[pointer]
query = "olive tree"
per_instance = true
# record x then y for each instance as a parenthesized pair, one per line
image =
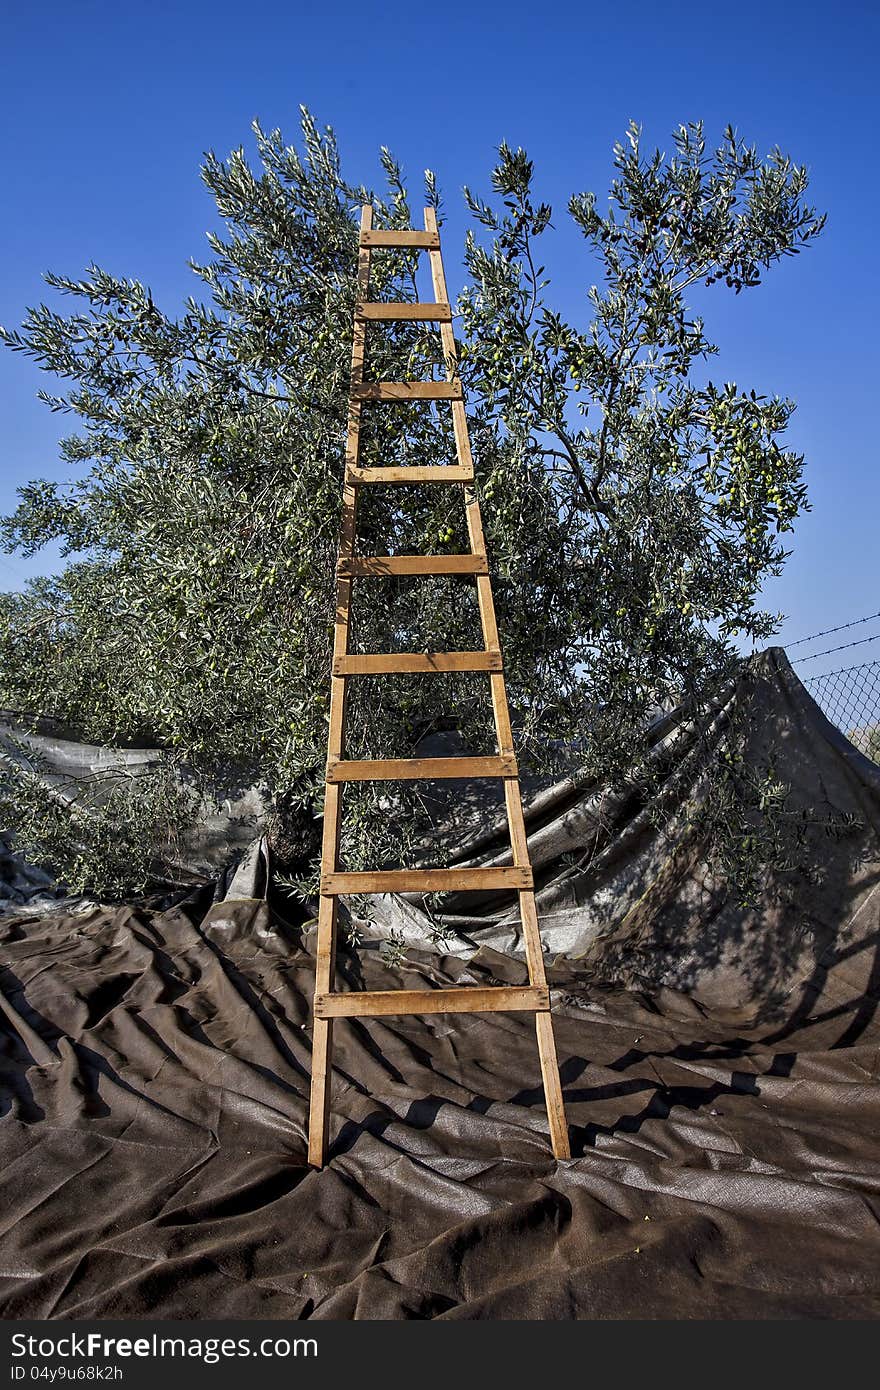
(633, 507)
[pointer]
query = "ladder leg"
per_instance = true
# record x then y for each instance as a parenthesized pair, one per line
(537, 975)
(552, 1084)
(543, 1018)
(319, 1106)
(322, 1037)
(322, 1034)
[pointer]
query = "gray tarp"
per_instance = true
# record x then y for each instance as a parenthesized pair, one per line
(224, 829)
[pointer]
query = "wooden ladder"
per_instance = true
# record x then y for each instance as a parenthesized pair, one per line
(535, 997)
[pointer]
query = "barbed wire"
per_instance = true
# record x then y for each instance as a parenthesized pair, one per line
(814, 637)
(845, 646)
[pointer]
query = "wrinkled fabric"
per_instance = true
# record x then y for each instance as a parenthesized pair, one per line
(719, 1065)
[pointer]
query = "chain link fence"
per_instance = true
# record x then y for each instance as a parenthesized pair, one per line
(850, 698)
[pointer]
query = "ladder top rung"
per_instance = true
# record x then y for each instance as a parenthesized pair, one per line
(402, 663)
(437, 313)
(461, 1000)
(440, 473)
(507, 878)
(367, 566)
(407, 391)
(423, 241)
(418, 769)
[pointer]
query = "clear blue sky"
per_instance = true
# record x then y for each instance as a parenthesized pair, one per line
(108, 108)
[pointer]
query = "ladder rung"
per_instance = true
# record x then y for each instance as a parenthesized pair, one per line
(440, 473)
(363, 566)
(463, 1000)
(427, 881)
(376, 310)
(407, 391)
(412, 663)
(425, 241)
(415, 769)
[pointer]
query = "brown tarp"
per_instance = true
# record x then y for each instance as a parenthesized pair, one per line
(720, 1069)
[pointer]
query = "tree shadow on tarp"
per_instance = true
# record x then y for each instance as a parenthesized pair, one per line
(693, 928)
(857, 1015)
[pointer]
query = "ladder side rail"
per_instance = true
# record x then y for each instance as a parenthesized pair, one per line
(512, 794)
(500, 709)
(328, 905)
(473, 518)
